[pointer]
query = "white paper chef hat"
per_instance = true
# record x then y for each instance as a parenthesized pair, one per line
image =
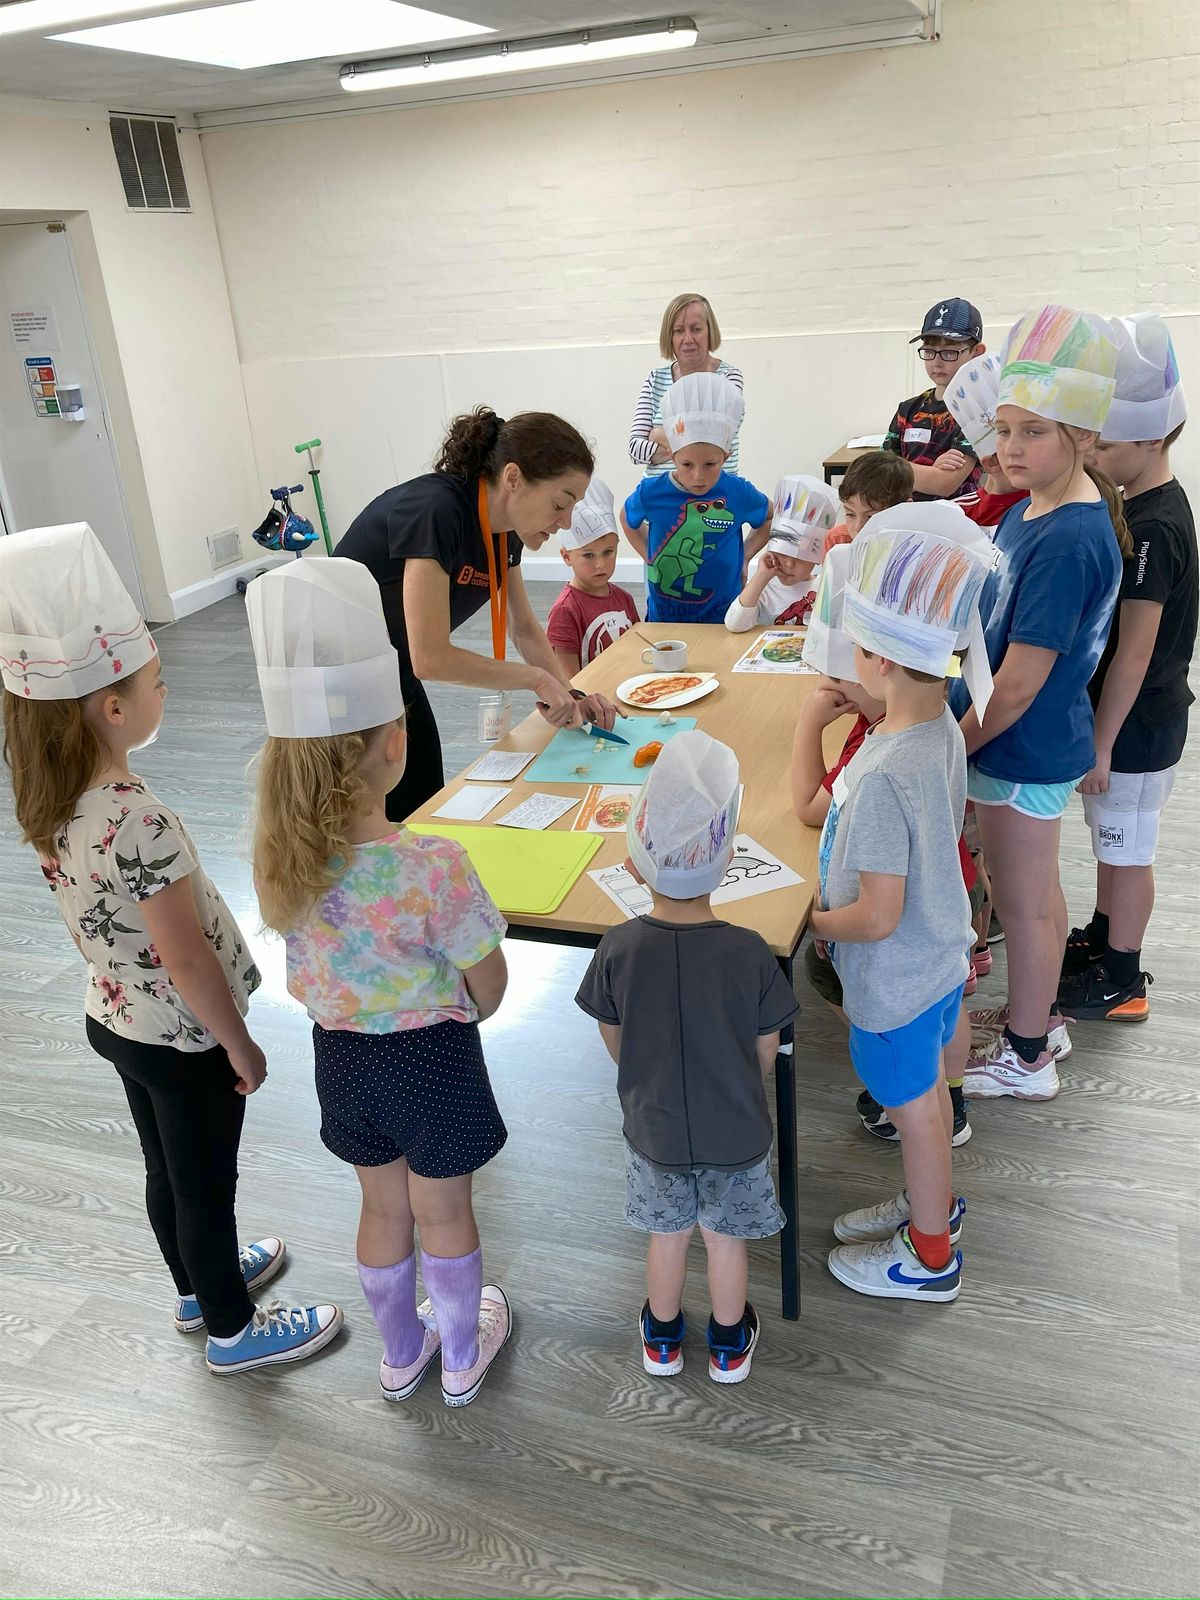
(325, 662)
(680, 831)
(1060, 364)
(971, 401)
(1149, 400)
(913, 597)
(703, 408)
(67, 623)
(593, 517)
(827, 647)
(805, 510)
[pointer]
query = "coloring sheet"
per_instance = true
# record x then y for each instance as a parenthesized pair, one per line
(753, 870)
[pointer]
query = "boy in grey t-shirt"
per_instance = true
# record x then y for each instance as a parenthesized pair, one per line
(895, 916)
(690, 1008)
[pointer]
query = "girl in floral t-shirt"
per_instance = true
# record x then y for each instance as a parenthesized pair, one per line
(393, 946)
(169, 976)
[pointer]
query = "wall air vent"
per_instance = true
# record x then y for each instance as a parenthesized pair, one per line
(147, 152)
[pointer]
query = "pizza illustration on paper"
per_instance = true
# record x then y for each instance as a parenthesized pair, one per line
(613, 814)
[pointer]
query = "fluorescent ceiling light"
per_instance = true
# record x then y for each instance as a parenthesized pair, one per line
(39, 16)
(522, 55)
(264, 33)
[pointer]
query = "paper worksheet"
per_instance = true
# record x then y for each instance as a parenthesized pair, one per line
(538, 811)
(472, 803)
(605, 808)
(777, 650)
(753, 870)
(500, 766)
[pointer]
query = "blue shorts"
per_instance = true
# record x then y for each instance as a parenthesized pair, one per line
(1045, 801)
(902, 1064)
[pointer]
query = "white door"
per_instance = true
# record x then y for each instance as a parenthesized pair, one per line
(53, 470)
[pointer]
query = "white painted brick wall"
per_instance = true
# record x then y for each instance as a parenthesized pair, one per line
(1042, 148)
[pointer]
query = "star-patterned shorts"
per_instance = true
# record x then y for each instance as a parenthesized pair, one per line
(741, 1204)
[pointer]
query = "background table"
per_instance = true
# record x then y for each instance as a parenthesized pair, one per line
(836, 462)
(755, 714)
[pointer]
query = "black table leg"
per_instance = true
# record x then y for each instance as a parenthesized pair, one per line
(785, 1116)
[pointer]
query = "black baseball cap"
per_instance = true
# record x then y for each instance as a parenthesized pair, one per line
(952, 319)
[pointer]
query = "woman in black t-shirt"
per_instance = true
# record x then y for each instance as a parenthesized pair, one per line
(426, 543)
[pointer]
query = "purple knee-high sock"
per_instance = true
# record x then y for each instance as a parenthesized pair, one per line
(391, 1295)
(455, 1284)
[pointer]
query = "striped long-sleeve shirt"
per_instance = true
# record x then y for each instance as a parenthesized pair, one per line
(649, 415)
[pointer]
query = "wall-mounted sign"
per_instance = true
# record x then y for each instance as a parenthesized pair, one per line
(42, 380)
(34, 328)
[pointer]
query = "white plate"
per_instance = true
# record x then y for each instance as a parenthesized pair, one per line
(673, 701)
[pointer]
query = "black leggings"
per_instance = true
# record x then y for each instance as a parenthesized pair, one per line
(423, 775)
(189, 1121)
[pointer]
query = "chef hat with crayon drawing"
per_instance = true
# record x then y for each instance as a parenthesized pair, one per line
(913, 597)
(593, 517)
(971, 401)
(680, 831)
(804, 511)
(827, 646)
(1149, 402)
(1060, 364)
(68, 625)
(325, 662)
(703, 408)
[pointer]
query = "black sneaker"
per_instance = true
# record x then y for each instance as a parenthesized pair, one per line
(1092, 996)
(875, 1119)
(1078, 956)
(730, 1363)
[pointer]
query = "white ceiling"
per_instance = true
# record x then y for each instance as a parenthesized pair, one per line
(731, 31)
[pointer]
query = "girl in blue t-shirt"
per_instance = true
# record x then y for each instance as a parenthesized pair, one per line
(1049, 606)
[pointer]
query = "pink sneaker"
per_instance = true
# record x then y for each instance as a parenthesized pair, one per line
(972, 982)
(495, 1325)
(398, 1383)
(1001, 1071)
(981, 960)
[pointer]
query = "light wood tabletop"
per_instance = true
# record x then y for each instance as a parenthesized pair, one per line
(755, 714)
(836, 462)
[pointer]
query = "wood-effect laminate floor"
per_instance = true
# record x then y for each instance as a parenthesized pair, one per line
(1039, 1437)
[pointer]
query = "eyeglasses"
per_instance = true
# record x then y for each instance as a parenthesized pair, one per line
(928, 352)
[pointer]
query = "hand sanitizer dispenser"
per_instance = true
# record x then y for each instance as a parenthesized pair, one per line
(70, 402)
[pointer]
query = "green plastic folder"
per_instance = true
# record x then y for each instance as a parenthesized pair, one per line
(524, 872)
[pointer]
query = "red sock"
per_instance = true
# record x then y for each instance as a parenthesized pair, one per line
(933, 1249)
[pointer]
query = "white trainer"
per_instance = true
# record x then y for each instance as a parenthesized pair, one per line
(881, 1221)
(1001, 1071)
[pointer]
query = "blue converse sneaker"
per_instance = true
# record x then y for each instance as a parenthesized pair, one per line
(891, 1269)
(881, 1221)
(275, 1333)
(259, 1262)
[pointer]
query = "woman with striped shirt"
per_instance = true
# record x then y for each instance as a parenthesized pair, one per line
(688, 336)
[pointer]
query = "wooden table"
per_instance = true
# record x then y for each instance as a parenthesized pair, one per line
(836, 462)
(755, 714)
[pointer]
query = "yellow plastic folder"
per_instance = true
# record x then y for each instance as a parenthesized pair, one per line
(524, 872)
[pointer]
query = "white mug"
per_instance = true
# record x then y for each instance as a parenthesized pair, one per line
(669, 655)
(495, 717)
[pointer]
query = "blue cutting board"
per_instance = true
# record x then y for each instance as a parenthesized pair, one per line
(571, 748)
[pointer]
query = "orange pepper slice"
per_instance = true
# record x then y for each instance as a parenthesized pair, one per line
(648, 754)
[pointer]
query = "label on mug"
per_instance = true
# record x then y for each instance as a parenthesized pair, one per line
(495, 717)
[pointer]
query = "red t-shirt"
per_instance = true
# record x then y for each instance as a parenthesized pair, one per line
(586, 624)
(986, 509)
(850, 749)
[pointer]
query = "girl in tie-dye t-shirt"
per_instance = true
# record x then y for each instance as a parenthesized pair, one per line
(393, 947)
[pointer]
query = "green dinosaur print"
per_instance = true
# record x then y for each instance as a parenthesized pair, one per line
(675, 566)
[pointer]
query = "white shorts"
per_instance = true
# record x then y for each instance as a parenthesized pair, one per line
(1124, 821)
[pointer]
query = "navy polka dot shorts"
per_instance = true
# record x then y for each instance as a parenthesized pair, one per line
(422, 1094)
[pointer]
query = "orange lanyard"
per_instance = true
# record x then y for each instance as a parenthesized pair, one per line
(497, 593)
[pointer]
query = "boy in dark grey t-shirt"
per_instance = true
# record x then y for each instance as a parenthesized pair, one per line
(690, 1008)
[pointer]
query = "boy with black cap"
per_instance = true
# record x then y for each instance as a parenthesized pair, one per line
(923, 432)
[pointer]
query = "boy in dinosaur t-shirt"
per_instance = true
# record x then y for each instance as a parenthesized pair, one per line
(693, 516)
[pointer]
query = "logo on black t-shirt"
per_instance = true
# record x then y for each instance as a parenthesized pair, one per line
(470, 574)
